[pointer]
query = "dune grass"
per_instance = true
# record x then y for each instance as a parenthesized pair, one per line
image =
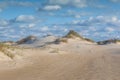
(55, 50)
(64, 40)
(6, 49)
(73, 34)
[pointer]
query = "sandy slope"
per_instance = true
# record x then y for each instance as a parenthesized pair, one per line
(71, 61)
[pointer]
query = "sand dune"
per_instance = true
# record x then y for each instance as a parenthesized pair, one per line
(74, 60)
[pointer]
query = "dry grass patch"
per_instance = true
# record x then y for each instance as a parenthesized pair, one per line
(89, 40)
(55, 50)
(7, 50)
(73, 34)
(64, 40)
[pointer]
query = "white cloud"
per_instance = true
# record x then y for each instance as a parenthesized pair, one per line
(109, 29)
(99, 21)
(52, 7)
(13, 36)
(31, 25)
(25, 18)
(75, 3)
(4, 22)
(0, 9)
(51, 14)
(45, 28)
(69, 13)
(77, 16)
(85, 32)
(22, 26)
(25, 4)
(75, 22)
(92, 28)
(114, 18)
(8, 3)
(4, 4)
(65, 30)
(78, 3)
(115, 0)
(11, 30)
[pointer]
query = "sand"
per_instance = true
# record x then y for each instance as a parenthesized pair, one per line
(75, 60)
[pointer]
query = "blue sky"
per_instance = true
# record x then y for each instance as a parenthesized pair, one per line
(94, 19)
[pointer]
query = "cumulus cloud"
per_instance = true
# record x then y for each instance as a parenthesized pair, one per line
(15, 3)
(25, 18)
(114, 19)
(22, 25)
(0, 9)
(74, 14)
(69, 13)
(25, 4)
(31, 25)
(97, 21)
(3, 23)
(26, 26)
(5, 4)
(52, 7)
(75, 3)
(44, 29)
(115, 0)
(109, 29)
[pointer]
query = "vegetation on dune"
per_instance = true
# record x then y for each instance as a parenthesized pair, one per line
(108, 41)
(6, 49)
(28, 40)
(73, 34)
(117, 40)
(57, 41)
(55, 50)
(89, 40)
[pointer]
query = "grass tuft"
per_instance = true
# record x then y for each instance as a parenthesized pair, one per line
(56, 50)
(6, 49)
